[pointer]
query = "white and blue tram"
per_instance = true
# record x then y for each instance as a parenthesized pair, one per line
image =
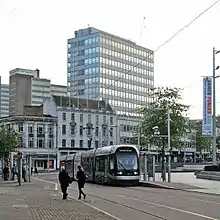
(113, 165)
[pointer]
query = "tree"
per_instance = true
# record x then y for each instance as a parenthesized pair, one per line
(155, 114)
(202, 142)
(8, 141)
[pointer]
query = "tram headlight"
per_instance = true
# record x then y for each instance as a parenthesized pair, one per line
(135, 173)
(119, 173)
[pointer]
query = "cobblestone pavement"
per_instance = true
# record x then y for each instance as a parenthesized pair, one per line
(129, 203)
(33, 201)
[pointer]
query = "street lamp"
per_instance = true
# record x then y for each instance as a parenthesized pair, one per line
(168, 141)
(214, 159)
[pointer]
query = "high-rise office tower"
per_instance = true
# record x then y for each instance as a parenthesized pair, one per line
(106, 67)
(4, 99)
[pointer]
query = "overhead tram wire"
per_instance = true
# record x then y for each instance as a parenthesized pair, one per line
(168, 40)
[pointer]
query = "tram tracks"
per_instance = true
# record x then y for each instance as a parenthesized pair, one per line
(124, 205)
(206, 198)
(99, 203)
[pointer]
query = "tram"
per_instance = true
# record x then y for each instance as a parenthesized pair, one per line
(113, 165)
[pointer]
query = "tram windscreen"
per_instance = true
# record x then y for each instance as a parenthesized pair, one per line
(127, 161)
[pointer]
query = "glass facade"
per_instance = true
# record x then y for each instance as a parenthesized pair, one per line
(4, 100)
(103, 66)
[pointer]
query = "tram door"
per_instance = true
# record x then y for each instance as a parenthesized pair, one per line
(106, 169)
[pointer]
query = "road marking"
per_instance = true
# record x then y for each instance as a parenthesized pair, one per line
(20, 206)
(47, 181)
(91, 206)
(169, 207)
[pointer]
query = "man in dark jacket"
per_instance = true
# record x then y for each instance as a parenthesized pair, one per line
(81, 179)
(64, 180)
(6, 173)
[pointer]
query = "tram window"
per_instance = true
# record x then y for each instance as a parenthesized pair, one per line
(101, 164)
(111, 163)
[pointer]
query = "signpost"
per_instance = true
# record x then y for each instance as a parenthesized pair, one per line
(207, 107)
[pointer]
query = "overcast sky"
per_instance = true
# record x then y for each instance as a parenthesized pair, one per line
(34, 33)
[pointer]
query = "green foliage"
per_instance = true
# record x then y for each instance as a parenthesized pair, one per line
(202, 142)
(156, 114)
(8, 141)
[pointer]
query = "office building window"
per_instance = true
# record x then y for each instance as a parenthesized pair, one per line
(63, 142)
(64, 116)
(97, 131)
(30, 142)
(104, 131)
(72, 129)
(50, 143)
(50, 129)
(73, 143)
(111, 132)
(111, 120)
(111, 142)
(73, 117)
(40, 143)
(97, 119)
(40, 129)
(81, 143)
(20, 128)
(81, 130)
(63, 129)
(104, 119)
(81, 118)
(30, 129)
(96, 144)
(89, 118)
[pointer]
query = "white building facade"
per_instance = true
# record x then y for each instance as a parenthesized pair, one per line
(37, 137)
(81, 128)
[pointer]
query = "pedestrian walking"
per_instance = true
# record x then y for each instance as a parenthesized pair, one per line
(64, 180)
(81, 179)
(6, 173)
(35, 171)
(14, 172)
(24, 174)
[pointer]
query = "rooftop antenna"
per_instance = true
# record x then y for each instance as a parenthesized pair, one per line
(142, 29)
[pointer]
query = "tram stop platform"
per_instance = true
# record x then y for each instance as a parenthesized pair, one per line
(166, 185)
(39, 201)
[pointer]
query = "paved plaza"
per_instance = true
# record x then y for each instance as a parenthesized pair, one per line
(39, 201)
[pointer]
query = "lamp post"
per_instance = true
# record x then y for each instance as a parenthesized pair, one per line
(169, 148)
(214, 159)
(168, 142)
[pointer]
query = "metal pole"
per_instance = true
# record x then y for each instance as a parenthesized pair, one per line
(214, 116)
(154, 168)
(48, 160)
(116, 129)
(169, 148)
(139, 137)
(29, 168)
(20, 173)
(195, 148)
(145, 167)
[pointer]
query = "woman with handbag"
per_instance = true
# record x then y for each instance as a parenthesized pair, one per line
(81, 179)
